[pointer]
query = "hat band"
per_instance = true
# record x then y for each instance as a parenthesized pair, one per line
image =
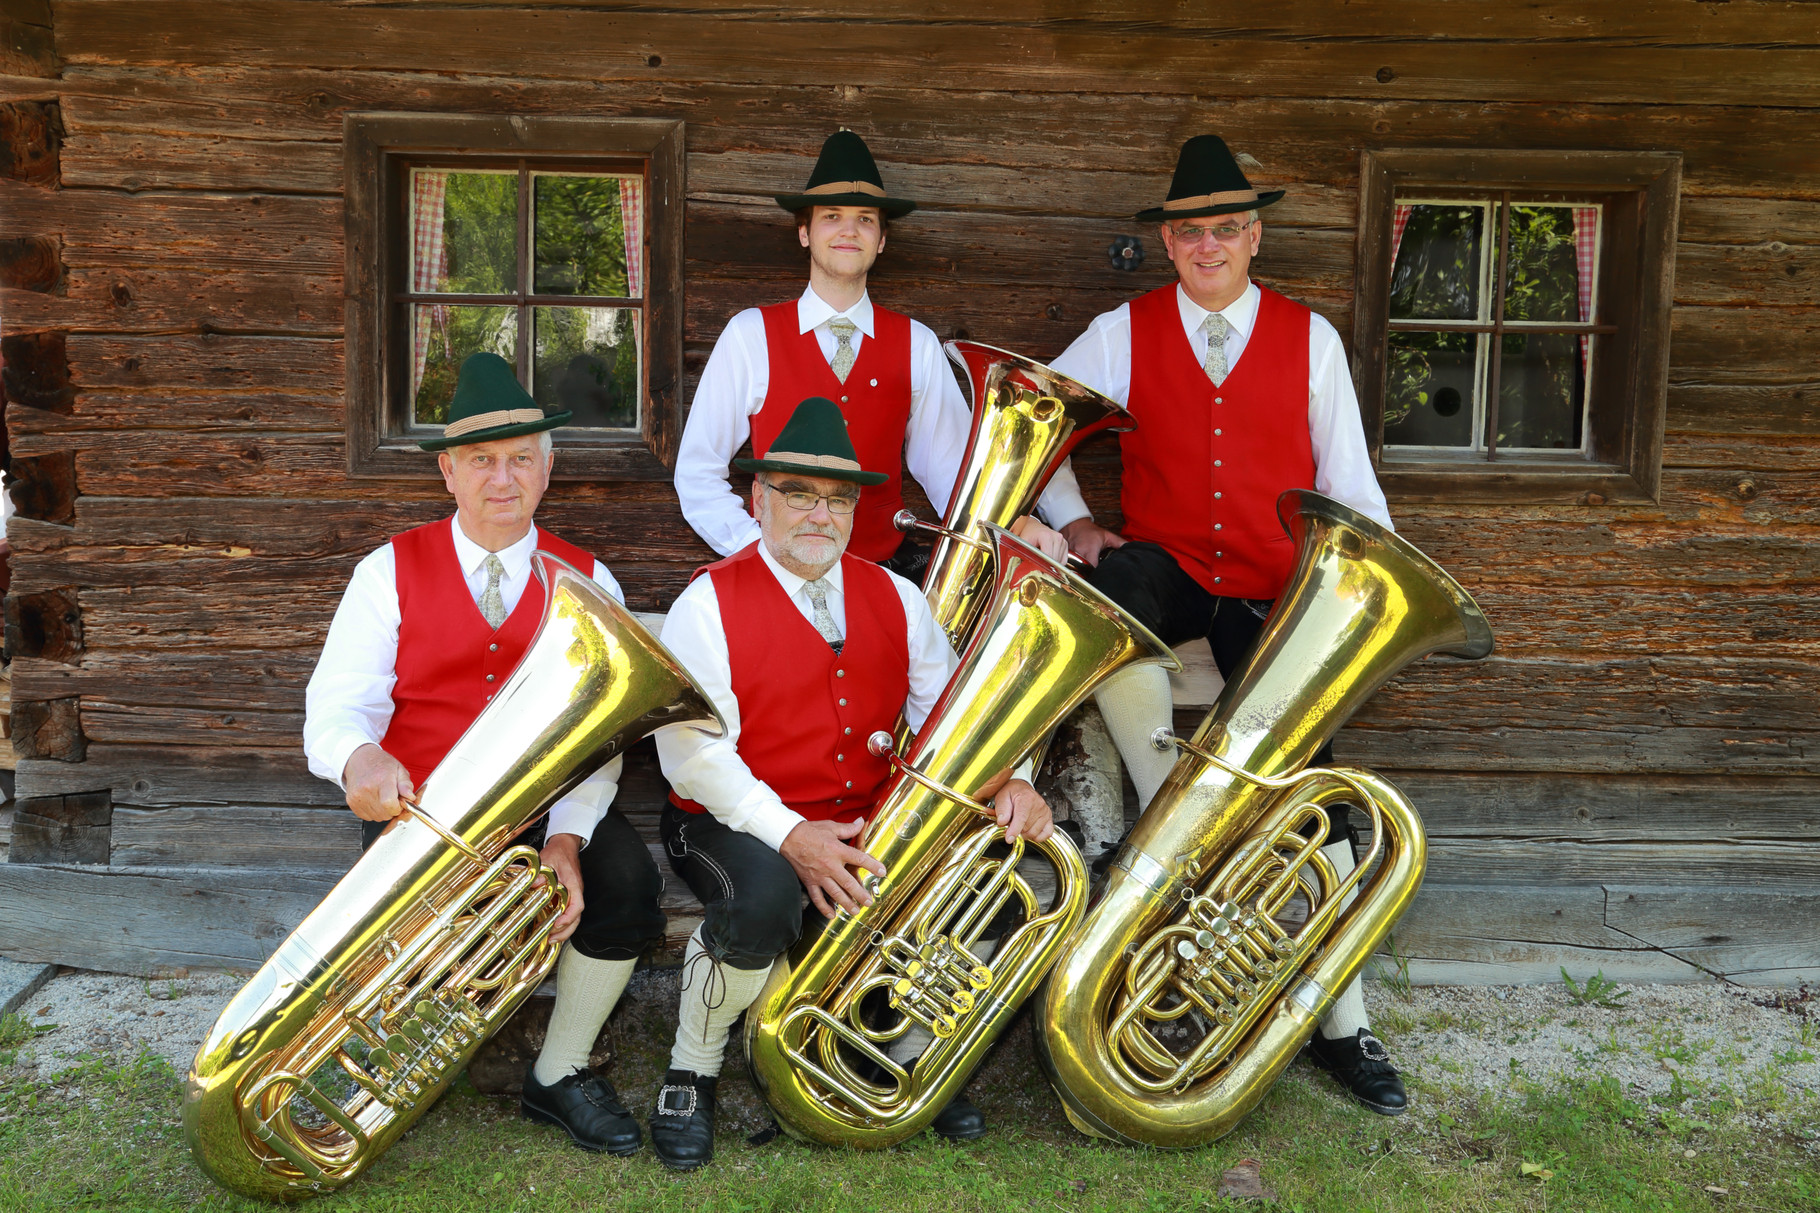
(847, 187)
(1216, 199)
(836, 463)
(487, 421)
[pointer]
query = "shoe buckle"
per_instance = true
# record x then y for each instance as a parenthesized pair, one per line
(1373, 1048)
(663, 1101)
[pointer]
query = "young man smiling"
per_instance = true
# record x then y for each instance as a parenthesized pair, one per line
(902, 405)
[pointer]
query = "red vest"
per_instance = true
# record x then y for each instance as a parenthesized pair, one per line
(875, 401)
(804, 712)
(1205, 465)
(449, 661)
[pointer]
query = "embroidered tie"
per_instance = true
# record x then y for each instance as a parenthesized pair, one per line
(492, 606)
(823, 618)
(843, 330)
(1216, 327)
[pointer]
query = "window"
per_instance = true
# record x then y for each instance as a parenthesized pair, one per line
(1511, 332)
(553, 242)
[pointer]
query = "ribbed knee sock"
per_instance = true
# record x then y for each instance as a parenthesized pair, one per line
(1135, 702)
(1348, 1013)
(587, 990)
(713, 995)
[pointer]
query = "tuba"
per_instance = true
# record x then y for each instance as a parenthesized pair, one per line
(815, 1040)
(1222, 935)
(1026, 418)
(425, 948)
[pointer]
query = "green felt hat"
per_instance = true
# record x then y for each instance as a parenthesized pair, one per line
(814, 442)
(1208, 181)
(846, 175)
(490, 403)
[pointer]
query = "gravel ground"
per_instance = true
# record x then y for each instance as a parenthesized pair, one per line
(1761, 1046)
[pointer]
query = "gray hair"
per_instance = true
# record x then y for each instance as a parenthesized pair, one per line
(546, 441)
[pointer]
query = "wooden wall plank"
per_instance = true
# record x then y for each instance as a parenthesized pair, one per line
(1595, 809)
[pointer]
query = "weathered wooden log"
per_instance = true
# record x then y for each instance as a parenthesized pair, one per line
(74, 828)
(29, 133)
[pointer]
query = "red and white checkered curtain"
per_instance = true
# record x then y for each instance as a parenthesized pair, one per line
(632, 214)
(1586, 248)
(1398, 222)
(429, 260)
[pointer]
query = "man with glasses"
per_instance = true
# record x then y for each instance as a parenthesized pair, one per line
(1239, 395)
(901, 402)
(807, 650)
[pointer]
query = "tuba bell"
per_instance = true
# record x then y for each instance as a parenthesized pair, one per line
(1026, 419)
(815, 1042)
(425, 948)
(1222, 935)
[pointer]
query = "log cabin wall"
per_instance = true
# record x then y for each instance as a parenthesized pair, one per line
(1627, 784)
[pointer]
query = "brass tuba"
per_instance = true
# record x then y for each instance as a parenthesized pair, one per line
(1045, 640)
(425, 948)
(1190, 984)
(1026, 419)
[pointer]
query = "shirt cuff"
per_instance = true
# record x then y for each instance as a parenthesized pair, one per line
(574, 817)
(768, 819)
(336, 749)
(1060, 505)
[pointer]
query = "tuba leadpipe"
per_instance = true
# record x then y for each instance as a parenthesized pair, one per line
(1222, 934)
(1026, 419)
(440, 931)
(817, 1047)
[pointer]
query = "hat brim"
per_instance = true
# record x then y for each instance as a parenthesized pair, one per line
(804, 469)
(893, 208)
(1157, 214)
(497, 432)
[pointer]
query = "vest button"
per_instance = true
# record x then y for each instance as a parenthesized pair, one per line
(489, 678)
(837, 800)
(493, 648)
(875, 383)
(1216, 526)
(1216, 581)
(840, 758)
(1217, 496)
(1216, 463)
(840, 673)
(848, 729)
(849, 783)
(1218, 555)
(843, 400)
(1217, 400)
(1216, 433)
(843, 702)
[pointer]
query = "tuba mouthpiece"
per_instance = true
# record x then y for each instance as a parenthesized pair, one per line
(1163, 740)
(904, 520)
(879, 744)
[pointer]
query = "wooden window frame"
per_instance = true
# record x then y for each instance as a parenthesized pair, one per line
(378, 146)
(1641, 192)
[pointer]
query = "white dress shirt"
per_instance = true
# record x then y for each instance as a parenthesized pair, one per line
(349, 700)
(709, 770)
(733, 387)
(1101, 359)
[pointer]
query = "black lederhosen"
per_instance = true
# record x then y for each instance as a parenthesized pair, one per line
(752, 898)
(1152, 587)
(620, 915)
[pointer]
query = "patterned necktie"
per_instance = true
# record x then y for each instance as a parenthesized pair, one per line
(843, 330)
(1216, 327)
(492, 606)
(823, 618)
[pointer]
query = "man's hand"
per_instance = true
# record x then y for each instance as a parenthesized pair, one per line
(1089, 540)
(379, 788)
(562, 854)
(821, 860)
(1049, 543)
(1022, 812)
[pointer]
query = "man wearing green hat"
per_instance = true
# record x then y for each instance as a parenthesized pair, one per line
(430, 625)
(900, 401)
(1239, 395)
(807, 650)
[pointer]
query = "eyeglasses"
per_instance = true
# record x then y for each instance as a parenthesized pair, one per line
(1225, 234)
(802, 503)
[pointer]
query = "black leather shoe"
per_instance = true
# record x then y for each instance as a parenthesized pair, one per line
(960, 1120)
(585, 1106)
(1361, 1063)
(682, 1125)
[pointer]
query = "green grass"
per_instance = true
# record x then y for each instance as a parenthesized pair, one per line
(107, 1136)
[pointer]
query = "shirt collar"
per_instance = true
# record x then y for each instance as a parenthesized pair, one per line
(1241, 313)
(812, 311)
(790, 581)
(471, 556)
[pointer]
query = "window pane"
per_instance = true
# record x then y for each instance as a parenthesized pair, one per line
(443, 338)
(1539, 392)
(1429, 392)
(1545, 276)
(1440, 262)
(587, 362)
(464, 232)
(580, 245)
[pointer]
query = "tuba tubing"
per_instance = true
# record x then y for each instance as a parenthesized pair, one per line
(1046, 639)
(440, 930)
(1190, 924)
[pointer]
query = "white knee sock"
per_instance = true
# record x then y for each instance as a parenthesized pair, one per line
(587, 990)
(1348, 1013)
(713, 995)
(1135, 702)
